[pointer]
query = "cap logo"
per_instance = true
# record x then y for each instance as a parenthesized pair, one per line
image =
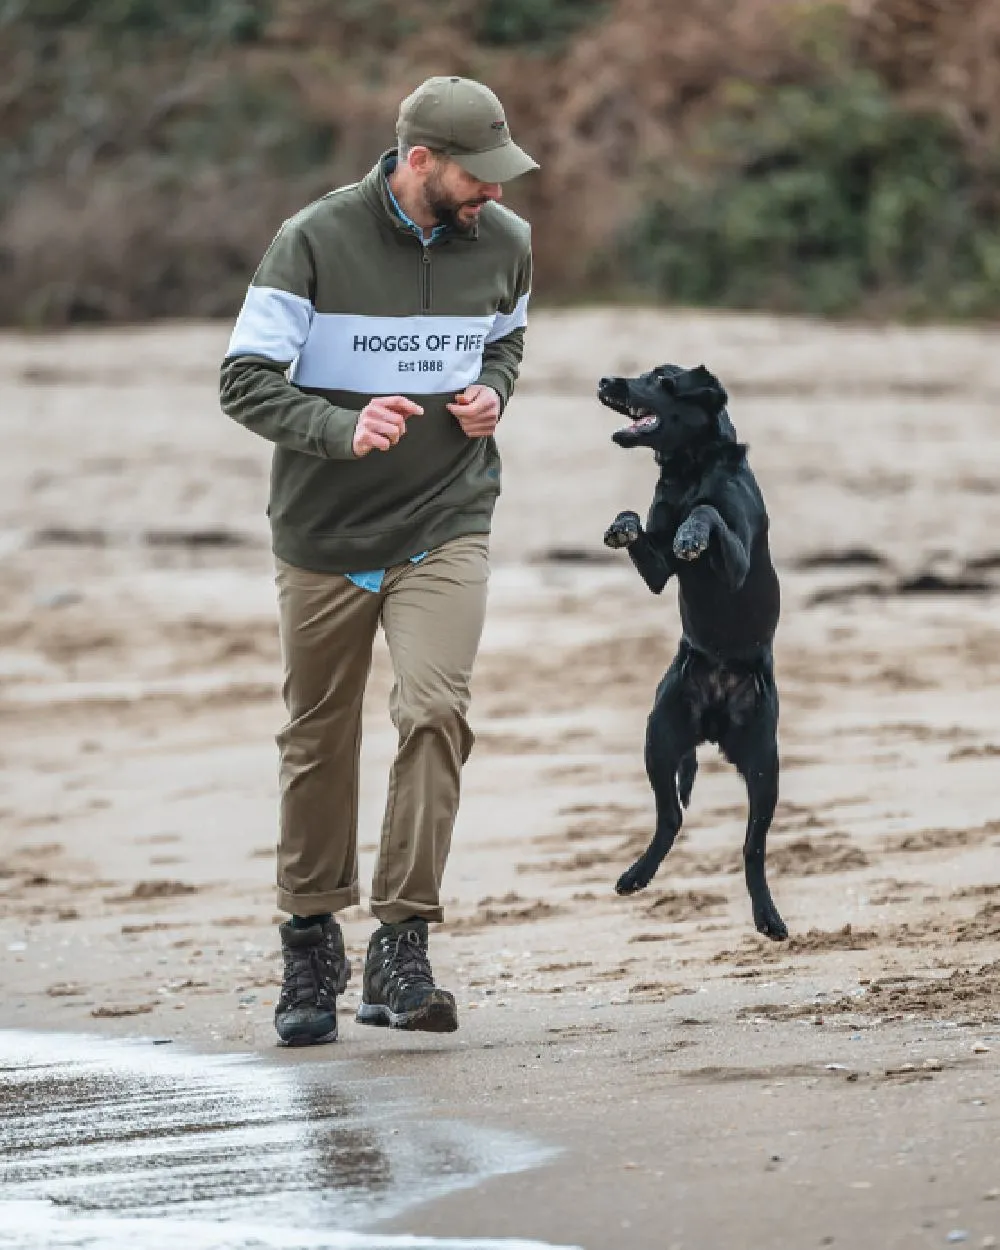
(499, 125)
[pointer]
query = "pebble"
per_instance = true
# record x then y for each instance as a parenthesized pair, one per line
(980, 1048)
(957, 1234)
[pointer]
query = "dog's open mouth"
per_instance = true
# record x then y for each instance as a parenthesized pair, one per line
(641, 420)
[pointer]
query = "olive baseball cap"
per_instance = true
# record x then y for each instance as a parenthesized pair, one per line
(464, 120)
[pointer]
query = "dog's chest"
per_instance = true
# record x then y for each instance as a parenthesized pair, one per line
(668, 512)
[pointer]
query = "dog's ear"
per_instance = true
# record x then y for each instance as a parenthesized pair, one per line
(698, 386)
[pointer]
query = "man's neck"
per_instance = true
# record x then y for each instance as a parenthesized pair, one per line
(410, 200)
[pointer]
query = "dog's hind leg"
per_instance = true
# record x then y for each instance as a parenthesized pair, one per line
(687, 770)
(753, 748)
(762, 788)
(671, 736)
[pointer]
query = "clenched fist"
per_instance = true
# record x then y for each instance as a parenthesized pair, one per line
(382, 423)
(477, 410)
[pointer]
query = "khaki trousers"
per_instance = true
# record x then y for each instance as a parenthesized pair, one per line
(432, 615)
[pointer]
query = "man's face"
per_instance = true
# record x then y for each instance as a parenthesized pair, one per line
(454, 197)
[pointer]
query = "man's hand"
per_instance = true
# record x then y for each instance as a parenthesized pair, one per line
(382, 423)
(477, 410)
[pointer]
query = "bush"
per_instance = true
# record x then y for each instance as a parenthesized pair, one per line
(540, 22)
(820, 199)
(234, 21)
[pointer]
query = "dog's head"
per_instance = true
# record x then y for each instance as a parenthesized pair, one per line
(670, 409)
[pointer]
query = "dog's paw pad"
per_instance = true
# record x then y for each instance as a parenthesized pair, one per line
(689, 544)
(621, 533)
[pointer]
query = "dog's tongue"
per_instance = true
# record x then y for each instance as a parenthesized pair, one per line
(643, 423)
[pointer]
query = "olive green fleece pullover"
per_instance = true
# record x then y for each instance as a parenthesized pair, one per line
(348, 304)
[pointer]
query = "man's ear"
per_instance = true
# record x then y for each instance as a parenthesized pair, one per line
(420, 159)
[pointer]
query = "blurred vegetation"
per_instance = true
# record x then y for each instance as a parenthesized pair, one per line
(534, 22)
(228, 20)
(798, 155)
(824, 199)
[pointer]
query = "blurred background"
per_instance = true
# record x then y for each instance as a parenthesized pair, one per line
(832, 157)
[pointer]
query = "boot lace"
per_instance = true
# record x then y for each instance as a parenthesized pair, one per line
(407, 964)
(310, 975)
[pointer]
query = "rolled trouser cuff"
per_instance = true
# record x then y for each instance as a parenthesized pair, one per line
(402, 909)
(318, 904)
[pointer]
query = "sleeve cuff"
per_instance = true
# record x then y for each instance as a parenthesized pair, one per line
(496, 382)
(338, 434)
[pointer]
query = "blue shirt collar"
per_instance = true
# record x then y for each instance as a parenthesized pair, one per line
(436, 233)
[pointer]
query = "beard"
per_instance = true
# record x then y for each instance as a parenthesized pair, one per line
(445, 207)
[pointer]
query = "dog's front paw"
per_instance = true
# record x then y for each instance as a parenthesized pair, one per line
(691, 539)
(623, 530)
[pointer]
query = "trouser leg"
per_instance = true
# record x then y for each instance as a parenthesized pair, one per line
(433, 616)
(327, 627)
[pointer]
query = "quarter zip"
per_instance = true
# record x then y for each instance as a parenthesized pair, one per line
(425, 278)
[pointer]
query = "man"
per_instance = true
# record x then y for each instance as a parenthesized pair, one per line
(377, 347)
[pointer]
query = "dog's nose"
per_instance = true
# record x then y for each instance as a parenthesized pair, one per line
(606, 383)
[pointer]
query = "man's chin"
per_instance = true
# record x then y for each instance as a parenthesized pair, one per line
(465, 220)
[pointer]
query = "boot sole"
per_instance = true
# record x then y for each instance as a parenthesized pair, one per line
(434, 1017)
(302, 1040)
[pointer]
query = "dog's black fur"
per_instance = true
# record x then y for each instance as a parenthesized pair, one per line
(707, 525)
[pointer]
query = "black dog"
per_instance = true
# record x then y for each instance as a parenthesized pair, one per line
(708, 525)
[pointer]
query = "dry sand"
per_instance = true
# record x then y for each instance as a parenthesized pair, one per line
(708, 1088)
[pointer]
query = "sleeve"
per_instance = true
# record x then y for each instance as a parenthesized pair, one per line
(505, 341)
(270, 331)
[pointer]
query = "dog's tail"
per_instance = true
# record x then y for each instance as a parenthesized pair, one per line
(686, 773)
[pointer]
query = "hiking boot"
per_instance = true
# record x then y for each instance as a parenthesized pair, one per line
(399, 990)
(316, 971)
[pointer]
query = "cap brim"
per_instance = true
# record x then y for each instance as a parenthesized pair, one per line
(498, 165)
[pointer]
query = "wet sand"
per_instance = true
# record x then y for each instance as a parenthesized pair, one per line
(107, 1143)
(704, 1086)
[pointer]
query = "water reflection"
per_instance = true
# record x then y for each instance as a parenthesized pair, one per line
(194, 1149)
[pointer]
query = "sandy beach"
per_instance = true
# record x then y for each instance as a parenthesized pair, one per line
(706, 1088)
